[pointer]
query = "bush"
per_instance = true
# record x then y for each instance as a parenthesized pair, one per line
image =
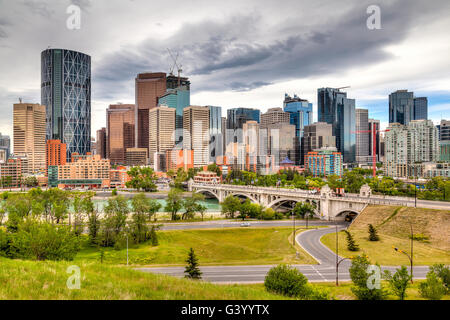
(268, 214)
(360, 277)
(443, 272)
(419, 237)
(398, 282)
(287, 281)
(43, 241)
(433, 288)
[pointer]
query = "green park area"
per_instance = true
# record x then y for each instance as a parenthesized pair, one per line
(430, 233)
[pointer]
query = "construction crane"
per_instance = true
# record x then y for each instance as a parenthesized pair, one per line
(374, 147)
(175, 64)
(343, 88)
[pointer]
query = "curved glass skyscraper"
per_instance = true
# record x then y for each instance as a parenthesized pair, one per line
(66, 92)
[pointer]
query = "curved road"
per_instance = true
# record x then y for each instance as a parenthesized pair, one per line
(325, 271)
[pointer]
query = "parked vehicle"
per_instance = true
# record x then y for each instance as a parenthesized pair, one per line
(245, 224)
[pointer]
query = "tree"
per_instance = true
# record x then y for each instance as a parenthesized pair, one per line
(360, 277)
(230, 206)
(181, 176)
(286, 280)
(215, 168)
(443, 272)
(113, 225)
(31, 181)
(373, 235)
(398, 282)
(351, 244)
(174, 202)
(192, 270)
(142, 178)
(433, 288)
(191, 205)
(303, 209)
(154, 236)
(249, 209)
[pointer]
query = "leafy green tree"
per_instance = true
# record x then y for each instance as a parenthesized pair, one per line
(181, 176)
(230, 206)
(215, 168)
(174, 202)
(192, 270)
(443, 272)
(373, 234)
(191, 205)
(360, 277)
(142, 178)
(398, 282)
(432, 288)
(303, 209)
(351, 244)
(154, 236)
(249, 210)
(31, 181)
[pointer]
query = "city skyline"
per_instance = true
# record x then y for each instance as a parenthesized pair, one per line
(236, 53)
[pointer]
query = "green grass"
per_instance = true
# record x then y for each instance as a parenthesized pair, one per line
(229, 246)
(393, 225)
(31, 280)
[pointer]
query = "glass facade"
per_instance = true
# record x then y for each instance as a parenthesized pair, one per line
(421, 108)
(401, 107)
(215, 133)
(235, 120)
(66, 93)
(335, 108)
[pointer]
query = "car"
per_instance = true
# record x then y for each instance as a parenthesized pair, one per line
(245, 224)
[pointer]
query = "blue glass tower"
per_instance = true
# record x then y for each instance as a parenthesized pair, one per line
(235, 121)
(401, 107)
(335, 108)
(66, 93)
(215, 133)
(178, 98)
(421, 108)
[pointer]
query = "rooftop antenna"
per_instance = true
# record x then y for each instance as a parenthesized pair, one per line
(343, 88)
(20, 100)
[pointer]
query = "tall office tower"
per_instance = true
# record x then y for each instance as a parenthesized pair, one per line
(362, 136)
(196, 126)
(178, 99)
(120, 129)
(401, 107)
(56, 153)
(29, 134)
(444, 140)
(317, 135)
(421, 108)
(215, 134)
(66, 93)
(281, 142)
(335, 108)
(301, 115)
(374, 125)
(406, 147)
(5, 147)
(224, 140)
(161, 130)
(250, 130)
(148, 88)
(101, 142)
(235, 120)
(274, 115)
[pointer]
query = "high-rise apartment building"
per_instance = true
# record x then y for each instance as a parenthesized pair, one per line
(13, 171)
(120, 129)
(374, 125)
(401, 107)
(317, 135)
(421, 108)
(66, 93)
(281, 142)
(324, 162)
(136, 157)
(363, 136)
(29, 134)
(161, 131)
(196, 127)
(5, 147)
(56, 153)
(423, 144)
(224, 140)
(335, 108)
(101, 142)
(444, 140)
(273, 116)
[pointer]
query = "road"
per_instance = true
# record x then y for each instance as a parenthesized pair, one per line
(325, 271)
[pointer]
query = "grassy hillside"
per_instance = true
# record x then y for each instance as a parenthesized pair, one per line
(229, 246)
(47, 280)
(393, 225)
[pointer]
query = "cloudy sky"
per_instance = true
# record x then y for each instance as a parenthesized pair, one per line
(236, 53)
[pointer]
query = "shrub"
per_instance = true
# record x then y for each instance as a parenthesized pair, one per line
(43, 241)
(351, 244)
(360, 277)
(433, 288)
(192, 270)
(443, 272)
(287, 281)
(419, 237)
(398, 282)
(268, 214)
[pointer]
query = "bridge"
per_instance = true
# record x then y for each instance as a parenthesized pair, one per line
(328, 205)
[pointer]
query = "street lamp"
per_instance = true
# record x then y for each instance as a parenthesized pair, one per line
(410, 257)
(293, 219)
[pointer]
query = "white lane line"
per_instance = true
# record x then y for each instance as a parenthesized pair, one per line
(320, 274)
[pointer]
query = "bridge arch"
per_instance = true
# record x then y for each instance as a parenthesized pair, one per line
(348, 214)
(237, 194)
(205, 191)
(281, 200)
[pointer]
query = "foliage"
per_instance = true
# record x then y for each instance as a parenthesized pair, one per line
(31, 182)
(433, 288)
(373, 235)
(270, 214)
(351, 243)
(142, 178)
(215, 168)
(398, 282)
(249, 210)
(304, 209)
(360, 277)
(192, 270)
(174, 202)
(113, 225)
(230, 206)
(191, 205)
(443, 272)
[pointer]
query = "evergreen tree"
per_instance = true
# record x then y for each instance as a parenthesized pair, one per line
(192, 270)
(154, 236)
(351, 244)
(373, 235)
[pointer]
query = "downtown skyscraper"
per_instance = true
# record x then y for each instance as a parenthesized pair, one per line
(66, 93)
(335, 108)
